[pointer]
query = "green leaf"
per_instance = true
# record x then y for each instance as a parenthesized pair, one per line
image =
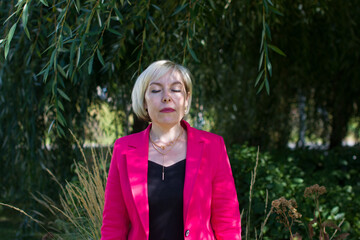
(276, 49)
(335, 210)
(2, 43)
(52, 123)
(269, 66)
(114, 32)
(61, 106)
(44, 2)
(266, 6)
(261, 60)
(267, 86)
(90, 64)
(260, 88)
(179, 9)
(59, 130)
(60, 118)
(7, 47)
(63, 94)
(156, 7)
(262, 39)
(119, 15)
(61, 70)
(24, 18)
(268, 32)
(46, 73)
(259, 77)
(212, 4)
(266, 50)
(100, 57)
(27, 32)
(52, 58)
(269, 1)
(192, 53)
(274, 10)
(72, 51)
(152, 22)
(9, 38)
(78, 56)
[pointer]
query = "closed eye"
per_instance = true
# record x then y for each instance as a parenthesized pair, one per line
(175, 90)
(155, 91)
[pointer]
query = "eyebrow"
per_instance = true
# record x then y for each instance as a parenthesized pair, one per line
(159, 84)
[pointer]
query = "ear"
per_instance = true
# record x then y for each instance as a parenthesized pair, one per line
(187, 100)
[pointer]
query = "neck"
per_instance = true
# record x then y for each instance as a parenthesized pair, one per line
(165, 134)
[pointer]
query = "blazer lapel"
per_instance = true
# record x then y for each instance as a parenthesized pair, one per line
(137, 167)
(193, 160)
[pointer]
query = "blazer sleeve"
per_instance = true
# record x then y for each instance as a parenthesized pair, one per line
(116, 221)
(225, 213)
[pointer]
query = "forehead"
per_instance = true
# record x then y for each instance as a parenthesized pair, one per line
(171, 77)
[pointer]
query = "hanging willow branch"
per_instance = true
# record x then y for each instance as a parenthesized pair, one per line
(265, 67)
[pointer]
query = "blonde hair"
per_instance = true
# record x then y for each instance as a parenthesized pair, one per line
(153, 72)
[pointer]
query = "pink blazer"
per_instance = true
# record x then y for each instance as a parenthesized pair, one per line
(211, 208)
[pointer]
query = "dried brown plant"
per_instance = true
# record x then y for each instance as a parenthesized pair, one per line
(287, 213)
(315, 192)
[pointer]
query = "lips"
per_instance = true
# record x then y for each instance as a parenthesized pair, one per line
(167, 110)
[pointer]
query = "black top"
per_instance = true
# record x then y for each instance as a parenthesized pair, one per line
(166, 201)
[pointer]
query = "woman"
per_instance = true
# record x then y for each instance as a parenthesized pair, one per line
(170, 181)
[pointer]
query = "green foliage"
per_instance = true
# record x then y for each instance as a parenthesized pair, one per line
(54, 55)
(287, 173)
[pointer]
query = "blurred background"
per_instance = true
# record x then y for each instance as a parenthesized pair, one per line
(279, 75)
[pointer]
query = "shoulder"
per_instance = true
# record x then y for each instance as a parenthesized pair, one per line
(127, 140)
(207, 137)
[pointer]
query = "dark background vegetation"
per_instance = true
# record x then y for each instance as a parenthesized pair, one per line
(60, 60)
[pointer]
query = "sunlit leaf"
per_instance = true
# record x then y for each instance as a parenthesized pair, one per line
(269, 66)
(50, 127)
(24, 18)
(9, 38)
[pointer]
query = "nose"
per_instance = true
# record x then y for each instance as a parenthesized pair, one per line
(166, 97)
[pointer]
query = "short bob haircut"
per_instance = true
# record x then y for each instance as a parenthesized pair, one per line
(153, 72)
